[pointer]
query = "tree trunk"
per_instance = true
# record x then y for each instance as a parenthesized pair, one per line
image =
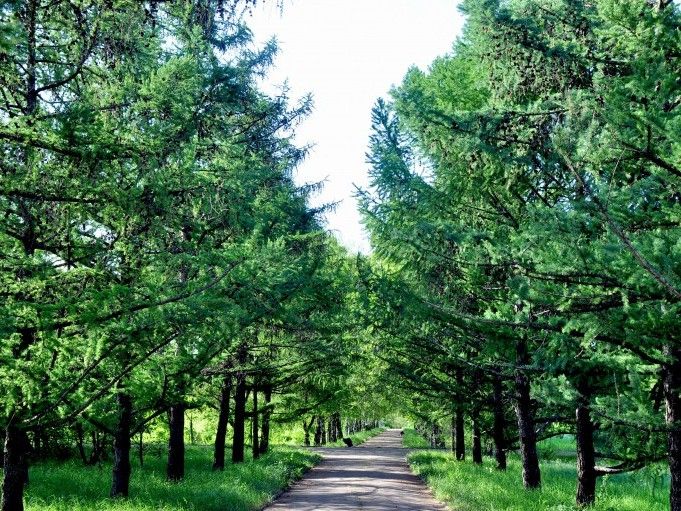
(586, 457)
(176, 447)
(80, 439)
(477, 443)
(15, 470)
(265, 438)
(318, 431)
(140, 450)
(239, 418)
(255, 425)
(453, 433)
(499, 434)
(121, 447)
(223, 421)
(306, 429)
(528, 436)
(672, 396)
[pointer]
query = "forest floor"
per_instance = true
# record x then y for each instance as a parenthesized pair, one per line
(467, 487)
(373, 476)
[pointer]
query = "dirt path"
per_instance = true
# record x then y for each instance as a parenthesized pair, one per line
(373, 477)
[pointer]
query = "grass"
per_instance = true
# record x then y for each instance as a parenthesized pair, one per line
(466, 487)
(358, 438)
(71, 487)
(413, 440)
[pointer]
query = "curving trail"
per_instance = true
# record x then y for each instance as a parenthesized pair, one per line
(373, 477)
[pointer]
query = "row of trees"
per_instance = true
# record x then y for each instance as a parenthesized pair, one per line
(525, 213)
(155, 253)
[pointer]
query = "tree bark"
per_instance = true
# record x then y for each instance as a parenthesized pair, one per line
(499, 429)
(239, 418)
(176, 447)
(120, 485)
(586, 456)
(15, 470)
(223, 421)
(255, 425)
(525, 414)
(453, 432)
(672, 396)
(265, 438)
(477, 443)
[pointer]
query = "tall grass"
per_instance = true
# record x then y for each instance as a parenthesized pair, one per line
(467, 487)
(71, 487)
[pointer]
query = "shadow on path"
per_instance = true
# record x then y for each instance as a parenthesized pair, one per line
(374, 477)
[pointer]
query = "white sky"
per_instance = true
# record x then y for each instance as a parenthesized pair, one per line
(347, 53)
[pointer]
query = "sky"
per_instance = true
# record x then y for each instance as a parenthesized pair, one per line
(348, 53)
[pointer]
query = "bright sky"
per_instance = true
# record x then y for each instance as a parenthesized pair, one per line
(347, 53)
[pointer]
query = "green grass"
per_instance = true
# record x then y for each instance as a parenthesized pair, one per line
(413, 440)
(466, 487)
(358, 438)
(71, 487)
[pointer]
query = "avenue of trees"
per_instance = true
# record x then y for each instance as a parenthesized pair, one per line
(525, 214)
(158, 258)
(155, 253)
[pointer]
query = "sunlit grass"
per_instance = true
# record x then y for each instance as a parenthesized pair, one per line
(467, 487)
(413, 440)
(71, 487)
(358, 438)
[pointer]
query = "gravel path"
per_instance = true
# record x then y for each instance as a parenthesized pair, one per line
(374, 477)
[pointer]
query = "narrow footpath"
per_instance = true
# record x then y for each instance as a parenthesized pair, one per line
(373, 476)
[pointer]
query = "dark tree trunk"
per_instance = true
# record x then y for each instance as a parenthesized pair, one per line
(586, 457)
(672, 395)
(223, 420)
(306, 428)
(265, 438)
(239, 418)
(477, 443)
(460, 435)
(15, 469)
(525, 414)
(499, 433)
(453, 433)
(255, 425)
(318, 431)
(176, 446)
(120, 485)
(80, 439)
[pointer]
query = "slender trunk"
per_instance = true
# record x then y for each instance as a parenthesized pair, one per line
(140, 448)
(176, 448)
(586, 457)
(265, 438)
(306, 429)
(223, 421)
(528, 436)
(453, 433)
(672, 396)
(460, 440)
(499, 428)
(477, 444)
(239, 418)
(80, 438)
(318, 431)
(15, 464)
(255, 425)
(121, 447)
